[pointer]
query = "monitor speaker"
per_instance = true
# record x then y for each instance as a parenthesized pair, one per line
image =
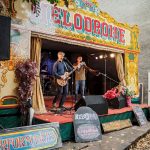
(5, 23)
(118, 102)
(95, 102)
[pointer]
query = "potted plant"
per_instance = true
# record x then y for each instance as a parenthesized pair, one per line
(112, 98)
(26, 74)
(128, 94)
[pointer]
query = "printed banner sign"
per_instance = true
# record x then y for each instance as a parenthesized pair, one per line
(31, 137)
(86, 125)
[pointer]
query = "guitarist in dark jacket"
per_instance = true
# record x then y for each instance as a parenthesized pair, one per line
(59, 69)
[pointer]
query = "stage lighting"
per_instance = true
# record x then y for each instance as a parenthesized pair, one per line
(96, 57)
(101, 56)
(112, 55)
(92, 54)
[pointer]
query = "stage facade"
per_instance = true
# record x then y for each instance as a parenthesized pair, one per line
(81, 24)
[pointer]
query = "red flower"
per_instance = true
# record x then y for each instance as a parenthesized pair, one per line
(111, 94)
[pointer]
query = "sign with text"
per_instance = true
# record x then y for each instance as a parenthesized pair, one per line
(31, 137)
(139, 114)
(82, 24)
(86, 125)
(82, 21)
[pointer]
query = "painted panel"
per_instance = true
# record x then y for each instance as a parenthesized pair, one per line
(20, 50)
(131, 71)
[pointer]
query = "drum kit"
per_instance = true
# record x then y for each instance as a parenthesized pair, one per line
(48, 84)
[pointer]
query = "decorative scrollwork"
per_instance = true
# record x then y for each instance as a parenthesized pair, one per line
(7, 8)
(3, 9)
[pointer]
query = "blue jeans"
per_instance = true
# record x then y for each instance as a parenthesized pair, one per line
(61, 92)
(80, 84)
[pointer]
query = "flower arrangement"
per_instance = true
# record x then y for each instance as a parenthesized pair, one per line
(129, 95)
(117, 91)
(25, 74)
(111, 94)
(127, 92)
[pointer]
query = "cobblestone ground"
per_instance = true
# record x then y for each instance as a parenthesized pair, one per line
(142, 144)
(117, 140)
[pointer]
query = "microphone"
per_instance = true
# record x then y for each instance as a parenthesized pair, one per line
(65, 58)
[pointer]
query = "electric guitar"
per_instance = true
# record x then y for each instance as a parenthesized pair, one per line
(63, 81)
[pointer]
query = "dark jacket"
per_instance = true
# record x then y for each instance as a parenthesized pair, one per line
(60, 67)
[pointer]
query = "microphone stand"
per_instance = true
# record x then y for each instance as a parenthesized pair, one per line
(68, 62)
(71, 75)
(105, 75)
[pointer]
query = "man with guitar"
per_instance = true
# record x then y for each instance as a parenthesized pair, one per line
(80, 77)
(60, 70)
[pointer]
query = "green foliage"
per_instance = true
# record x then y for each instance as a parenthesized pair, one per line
(35, 1)
(53, 1)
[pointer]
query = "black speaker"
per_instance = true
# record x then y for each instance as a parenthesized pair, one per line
(95, 102)
(5, 23)
(118, 102)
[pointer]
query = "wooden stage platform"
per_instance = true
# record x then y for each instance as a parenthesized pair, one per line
(66, 118)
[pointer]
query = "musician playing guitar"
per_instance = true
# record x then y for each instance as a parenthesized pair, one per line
(59, 69)
(80, 77)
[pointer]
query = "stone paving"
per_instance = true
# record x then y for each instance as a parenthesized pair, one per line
(118, 140)
(142, 144)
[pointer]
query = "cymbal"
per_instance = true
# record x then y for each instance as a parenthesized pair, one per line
(44, 71)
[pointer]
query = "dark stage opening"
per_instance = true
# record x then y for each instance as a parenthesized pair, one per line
(100, 60)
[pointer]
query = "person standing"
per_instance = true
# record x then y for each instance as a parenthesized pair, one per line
(59, 69)
(47, 64)
(80, 77)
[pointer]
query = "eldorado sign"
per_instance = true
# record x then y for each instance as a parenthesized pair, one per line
(76, 22)
(83, 22)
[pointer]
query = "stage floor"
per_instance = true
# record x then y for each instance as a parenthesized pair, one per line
(67, 116)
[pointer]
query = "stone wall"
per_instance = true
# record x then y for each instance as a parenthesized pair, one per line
(134, 12)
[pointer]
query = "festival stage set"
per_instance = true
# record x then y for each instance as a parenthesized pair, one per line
(107, 46)
(95, 85)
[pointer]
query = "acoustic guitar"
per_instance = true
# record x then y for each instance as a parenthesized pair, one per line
(63, 82)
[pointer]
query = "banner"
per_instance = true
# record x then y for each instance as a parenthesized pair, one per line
(31, 137)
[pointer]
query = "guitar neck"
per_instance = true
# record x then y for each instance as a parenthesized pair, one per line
(72, 72)
(75, 69)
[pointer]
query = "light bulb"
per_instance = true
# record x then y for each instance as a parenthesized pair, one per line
(112, 55)
(101, 56)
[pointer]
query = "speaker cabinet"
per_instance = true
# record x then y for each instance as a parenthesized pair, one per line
(95, 102)
(5, 23)
(118, 102)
